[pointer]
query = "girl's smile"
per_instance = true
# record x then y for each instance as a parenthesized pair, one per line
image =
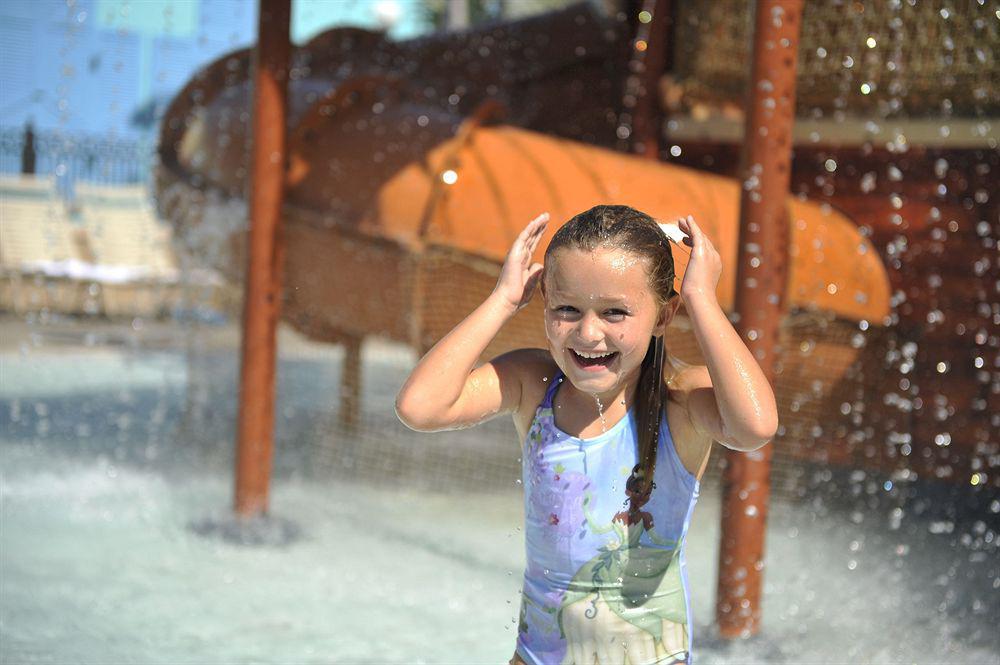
(593, 362)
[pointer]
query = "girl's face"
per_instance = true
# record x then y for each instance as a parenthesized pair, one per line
(600, 314)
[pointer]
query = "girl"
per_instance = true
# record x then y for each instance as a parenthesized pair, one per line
(615, 440)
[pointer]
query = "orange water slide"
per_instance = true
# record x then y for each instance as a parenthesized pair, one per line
(475, 192)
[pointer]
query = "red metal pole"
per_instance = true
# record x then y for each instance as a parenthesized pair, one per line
(265, 260)
(760, 286)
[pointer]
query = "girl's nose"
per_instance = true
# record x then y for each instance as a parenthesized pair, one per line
(589, 330)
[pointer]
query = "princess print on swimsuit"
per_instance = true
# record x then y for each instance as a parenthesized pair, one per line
(598, 573)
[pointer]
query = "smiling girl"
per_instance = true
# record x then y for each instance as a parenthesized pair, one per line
(614, 439)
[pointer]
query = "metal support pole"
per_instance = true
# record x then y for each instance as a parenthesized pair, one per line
(265, 260)
(760, 287)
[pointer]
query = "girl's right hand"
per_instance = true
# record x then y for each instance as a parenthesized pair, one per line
(519, 276)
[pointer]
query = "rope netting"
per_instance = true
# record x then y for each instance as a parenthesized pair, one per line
(819, 365)
(918, 57)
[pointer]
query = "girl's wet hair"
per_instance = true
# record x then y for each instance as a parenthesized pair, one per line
(633, 231)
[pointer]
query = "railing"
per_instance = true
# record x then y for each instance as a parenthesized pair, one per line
(74, 157)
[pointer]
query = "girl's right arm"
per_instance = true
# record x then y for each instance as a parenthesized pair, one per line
(446, 390)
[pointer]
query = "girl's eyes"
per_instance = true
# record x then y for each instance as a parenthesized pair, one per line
(610, 314)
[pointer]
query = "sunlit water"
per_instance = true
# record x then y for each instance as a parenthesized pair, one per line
(600, 413)
(99, 563)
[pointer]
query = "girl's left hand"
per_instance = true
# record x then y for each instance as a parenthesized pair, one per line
(704, 265)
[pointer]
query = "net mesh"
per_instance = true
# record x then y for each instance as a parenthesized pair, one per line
(818, 371)
(924, 57)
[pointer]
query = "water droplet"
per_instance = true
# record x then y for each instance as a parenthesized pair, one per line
(600, 413)
(942, 526)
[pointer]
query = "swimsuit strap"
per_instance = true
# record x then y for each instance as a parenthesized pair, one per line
(551, 392)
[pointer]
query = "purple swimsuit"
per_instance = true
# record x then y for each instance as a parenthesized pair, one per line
(605, 579)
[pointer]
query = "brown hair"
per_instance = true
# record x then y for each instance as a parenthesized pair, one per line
(636, 232)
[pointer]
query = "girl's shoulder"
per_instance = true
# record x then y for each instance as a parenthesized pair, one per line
(534, 369)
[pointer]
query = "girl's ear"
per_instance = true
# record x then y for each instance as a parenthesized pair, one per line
(667, 313)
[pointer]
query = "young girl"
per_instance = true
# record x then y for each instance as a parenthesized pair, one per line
(615, 439)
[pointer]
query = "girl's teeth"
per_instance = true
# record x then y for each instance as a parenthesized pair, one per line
(592, 355)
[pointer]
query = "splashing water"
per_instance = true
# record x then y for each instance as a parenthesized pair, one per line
(600, 413)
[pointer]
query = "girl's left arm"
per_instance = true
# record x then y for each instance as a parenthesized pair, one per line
(734, 404)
